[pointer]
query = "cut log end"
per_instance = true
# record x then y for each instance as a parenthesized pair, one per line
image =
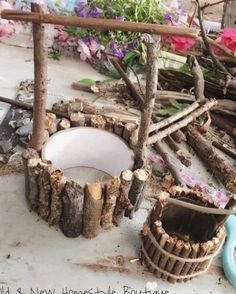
(63, 124)
(97, 121)
(77, 119)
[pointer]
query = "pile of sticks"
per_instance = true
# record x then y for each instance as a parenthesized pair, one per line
(80, 113)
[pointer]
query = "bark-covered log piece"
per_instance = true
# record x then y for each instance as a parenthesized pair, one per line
(77, 119)
(102, 88)
(178, 137)
(71, 222)
(63, 124)
(80, 105)
(46, 136)
(218, 165)
(172, 168)
(51, 123)
(123, 200)
(157, 210)
(93, 204)
(98, 121)
(110, 122)
(134, 138)
(44, 190)
(180, 154)
(57, 184)
(119, 128)
(224, 125)
(61, 106)
(112, 192)
(40, 79)
(129, 130)
(31, 159)
(136, 191)
(225, 148)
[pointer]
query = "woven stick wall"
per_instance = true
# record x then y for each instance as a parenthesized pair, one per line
(176, 243)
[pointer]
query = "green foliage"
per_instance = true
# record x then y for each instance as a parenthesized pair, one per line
(175, 107)
(87, 82)
(146, 11)
(55, 54)
(132, 10)
(176, 104)
(167, 111)
(71, 30)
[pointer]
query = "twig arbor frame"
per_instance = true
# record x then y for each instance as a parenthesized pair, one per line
(38, 17)
(121, 193)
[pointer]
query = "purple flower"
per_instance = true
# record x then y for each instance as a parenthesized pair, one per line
(110, 9)
(121, 18)
(168, 16)
(181, 12)
(96, 12)
(117, 52)
(132, 45)
(81, 9)
(95, 45)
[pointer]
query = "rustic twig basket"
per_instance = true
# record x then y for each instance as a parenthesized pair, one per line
(177, 244)
(62, 201)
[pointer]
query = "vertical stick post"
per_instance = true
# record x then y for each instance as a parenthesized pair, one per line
(40, 79)
(229, 14)
(151, 90)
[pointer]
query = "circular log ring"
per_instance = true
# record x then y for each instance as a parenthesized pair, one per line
(178, 244)
(61, 201)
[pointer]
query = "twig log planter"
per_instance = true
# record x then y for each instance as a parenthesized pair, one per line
(64, 202)
(177, 243)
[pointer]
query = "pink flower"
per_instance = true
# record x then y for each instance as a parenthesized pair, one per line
(5, 4)
(95, 46)
(84, 51)
(182, 43)
(228, 38)
(6, 30)
(62, 36)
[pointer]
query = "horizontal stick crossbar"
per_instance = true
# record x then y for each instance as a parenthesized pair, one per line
(98, 23)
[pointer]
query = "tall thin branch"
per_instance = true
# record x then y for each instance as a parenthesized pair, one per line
(217, 63)
(40, 80)
(198, 78)
(153, 46)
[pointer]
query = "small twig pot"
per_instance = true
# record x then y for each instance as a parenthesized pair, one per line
(177, 243)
